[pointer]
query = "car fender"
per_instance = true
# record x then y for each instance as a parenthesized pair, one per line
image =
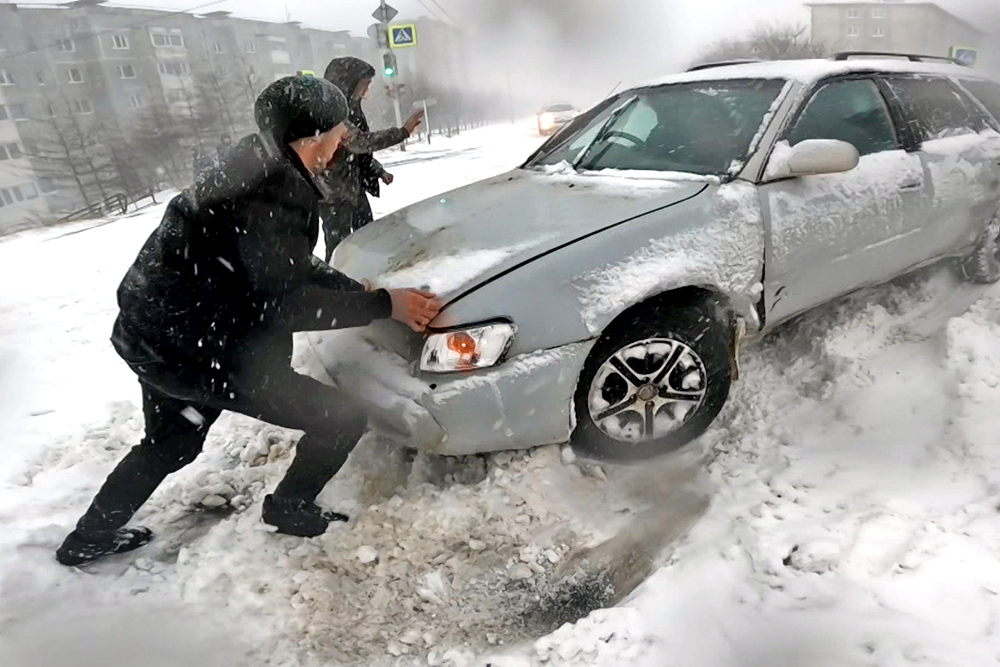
(714, 240)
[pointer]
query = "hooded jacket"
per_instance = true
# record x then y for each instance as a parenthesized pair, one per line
(354, 171)
(232, 259)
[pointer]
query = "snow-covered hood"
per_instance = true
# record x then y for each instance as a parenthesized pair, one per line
(455, 241)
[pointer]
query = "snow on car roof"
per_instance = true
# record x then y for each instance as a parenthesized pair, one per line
(810, 71)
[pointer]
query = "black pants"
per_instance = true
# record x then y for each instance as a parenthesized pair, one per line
(178, 418)
(341, 219)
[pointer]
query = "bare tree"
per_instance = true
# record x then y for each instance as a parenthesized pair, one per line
(768, 42)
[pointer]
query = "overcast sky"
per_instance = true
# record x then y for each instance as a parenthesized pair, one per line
(702, 19)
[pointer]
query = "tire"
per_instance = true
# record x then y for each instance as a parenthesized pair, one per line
(692, 341)
(983, 264)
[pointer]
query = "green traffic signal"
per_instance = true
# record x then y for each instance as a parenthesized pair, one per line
(389, 65)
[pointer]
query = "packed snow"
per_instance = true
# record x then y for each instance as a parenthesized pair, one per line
(842, 511)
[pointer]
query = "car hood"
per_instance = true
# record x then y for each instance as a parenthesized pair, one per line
(456, 241)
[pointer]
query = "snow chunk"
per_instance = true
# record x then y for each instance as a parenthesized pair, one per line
(442, 275)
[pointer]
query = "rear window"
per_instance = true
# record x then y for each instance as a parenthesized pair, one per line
(988, 94)
(935, 109)
(560, 107)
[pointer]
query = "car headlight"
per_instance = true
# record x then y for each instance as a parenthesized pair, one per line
(467, 349)
(546, 120)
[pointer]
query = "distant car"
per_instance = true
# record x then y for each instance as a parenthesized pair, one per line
(554, 116)
(600, 293)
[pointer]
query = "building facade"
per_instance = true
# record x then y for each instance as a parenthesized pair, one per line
(98, 100)
(892, 26)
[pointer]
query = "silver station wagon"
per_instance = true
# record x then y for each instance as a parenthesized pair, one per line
(600, 293)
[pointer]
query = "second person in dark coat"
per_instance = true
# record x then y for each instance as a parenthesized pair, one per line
(354, 171)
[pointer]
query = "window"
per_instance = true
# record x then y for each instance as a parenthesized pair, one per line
(853, 31)
(5, 194)
(250, 47)
(878, 13)
(40, 77)
(18, 112)
(936, 109)
(280, 58)
(699, 128)
(222, 70)
(17, 193)
(175, 96)
(30, 147)
(3, 153)
(74, 75)
(174, 68)
(47, 184)
(126, 71)
(164, 39)
(29, 190)
(988, 94)
(217, 47)
(3, 112)
(119, 42)
(135, 101)
(66, 45)
(853, 13)
(14, 151)
(6, 78)
(851, 111)
(82, 107)
(878, 32)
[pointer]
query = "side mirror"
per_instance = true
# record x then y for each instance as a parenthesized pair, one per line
(812, 157)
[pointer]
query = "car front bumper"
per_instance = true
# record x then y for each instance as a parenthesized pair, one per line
(526, 401)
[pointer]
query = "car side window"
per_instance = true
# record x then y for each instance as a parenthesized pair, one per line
(935, 109)
(853, 111)
(987, 92)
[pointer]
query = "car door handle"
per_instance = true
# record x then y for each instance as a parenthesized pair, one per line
(908, 186)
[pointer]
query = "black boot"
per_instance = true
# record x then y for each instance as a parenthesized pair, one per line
(293, 516)
(80, 550)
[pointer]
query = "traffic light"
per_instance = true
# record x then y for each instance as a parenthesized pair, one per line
(389, 68)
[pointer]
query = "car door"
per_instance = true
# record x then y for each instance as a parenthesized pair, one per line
(959, 150)
(831, 234)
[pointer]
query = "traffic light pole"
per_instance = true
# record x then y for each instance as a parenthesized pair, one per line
(386, 50)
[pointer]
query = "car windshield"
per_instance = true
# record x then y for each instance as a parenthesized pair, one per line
(560, 107)
(699, 128)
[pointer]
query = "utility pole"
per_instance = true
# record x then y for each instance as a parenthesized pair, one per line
(390, 69)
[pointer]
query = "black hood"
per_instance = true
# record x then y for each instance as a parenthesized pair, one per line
(346, 73)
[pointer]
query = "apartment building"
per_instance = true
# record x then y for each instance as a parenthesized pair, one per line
(98, 100)
(892, 26)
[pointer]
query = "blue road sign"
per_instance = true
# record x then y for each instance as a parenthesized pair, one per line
(402, 35)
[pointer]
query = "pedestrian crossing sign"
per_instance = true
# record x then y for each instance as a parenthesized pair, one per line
(401, 36)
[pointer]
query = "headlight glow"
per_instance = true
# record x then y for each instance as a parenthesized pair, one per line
(546, 120)
(467, 349)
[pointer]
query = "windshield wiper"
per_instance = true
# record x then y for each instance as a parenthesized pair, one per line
(612, 117)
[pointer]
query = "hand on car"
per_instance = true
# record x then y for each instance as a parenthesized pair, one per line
(414, 121)
(414, 308)
(387, 178)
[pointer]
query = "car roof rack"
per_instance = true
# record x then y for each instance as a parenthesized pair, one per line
(915, 58)
(721, 63)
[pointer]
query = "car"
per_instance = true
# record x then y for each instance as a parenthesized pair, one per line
(554, 116)
(600, 293)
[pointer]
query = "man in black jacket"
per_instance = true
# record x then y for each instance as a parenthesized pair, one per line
(207, 313)
(354, 170)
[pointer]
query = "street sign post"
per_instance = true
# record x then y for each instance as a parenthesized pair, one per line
(402, 36)
(379, 34)
(424, 104)
(966, 56)
(385, 13)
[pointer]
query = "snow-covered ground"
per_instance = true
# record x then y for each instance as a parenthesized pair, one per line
(844, 506)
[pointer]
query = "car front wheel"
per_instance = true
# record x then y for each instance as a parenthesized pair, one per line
(654, 382)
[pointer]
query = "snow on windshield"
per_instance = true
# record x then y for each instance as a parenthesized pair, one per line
(726, 253)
